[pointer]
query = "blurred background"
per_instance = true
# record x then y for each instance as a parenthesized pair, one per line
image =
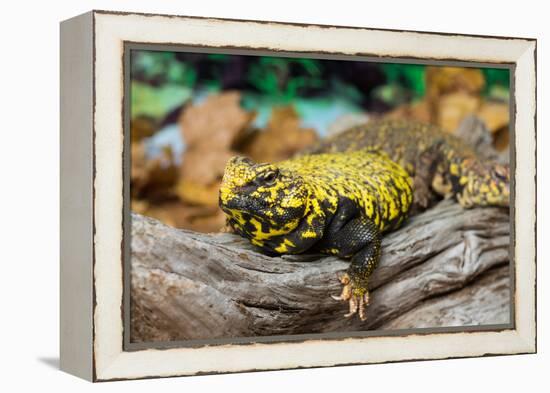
(191, 112)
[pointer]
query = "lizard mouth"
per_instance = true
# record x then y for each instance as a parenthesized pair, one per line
(234, 204)
(243, 204)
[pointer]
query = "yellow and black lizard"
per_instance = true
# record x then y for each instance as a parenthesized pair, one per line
(342, 195)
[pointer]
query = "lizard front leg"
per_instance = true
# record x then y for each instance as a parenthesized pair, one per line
(360, 238)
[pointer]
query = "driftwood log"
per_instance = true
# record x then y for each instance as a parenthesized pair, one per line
(446, 267)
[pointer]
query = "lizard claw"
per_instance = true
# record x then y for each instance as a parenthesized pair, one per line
(357, 302)
(353, 307)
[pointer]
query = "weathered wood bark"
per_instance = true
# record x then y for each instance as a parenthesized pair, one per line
(486, 301)
(446, 266)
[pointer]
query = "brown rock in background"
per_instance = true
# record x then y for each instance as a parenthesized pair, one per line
(445, 80)
(452, 108)
(198, 193)
(452, 95)
(210, 130)
(204, 166)
(152, 178)
(216, 123)
(282, 138)
(496, 115)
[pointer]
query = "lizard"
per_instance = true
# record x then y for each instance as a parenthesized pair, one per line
(438, 162)
(334, 203)
(345, 193)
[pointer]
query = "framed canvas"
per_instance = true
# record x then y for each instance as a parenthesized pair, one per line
(245, 195)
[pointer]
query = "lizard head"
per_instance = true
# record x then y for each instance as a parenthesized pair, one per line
(484, 184)
(262, 200)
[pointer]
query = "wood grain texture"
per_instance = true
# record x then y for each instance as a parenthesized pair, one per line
(433, 272)
(484, 302)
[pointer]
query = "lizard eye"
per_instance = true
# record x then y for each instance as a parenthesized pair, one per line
(269, 177)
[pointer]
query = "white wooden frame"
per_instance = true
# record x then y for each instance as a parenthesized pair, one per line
(92, 194)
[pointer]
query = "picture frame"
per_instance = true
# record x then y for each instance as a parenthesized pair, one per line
(94, 294)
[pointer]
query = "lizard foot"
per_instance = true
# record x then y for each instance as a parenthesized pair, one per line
(356, 298)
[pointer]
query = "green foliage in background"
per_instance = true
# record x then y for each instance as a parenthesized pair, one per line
(164, 80)
(272, 76)
(157, 102)
(496, 76)
(279, 76)
(403, 83)
(161, 68)
(409, 76)
(497, 83)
